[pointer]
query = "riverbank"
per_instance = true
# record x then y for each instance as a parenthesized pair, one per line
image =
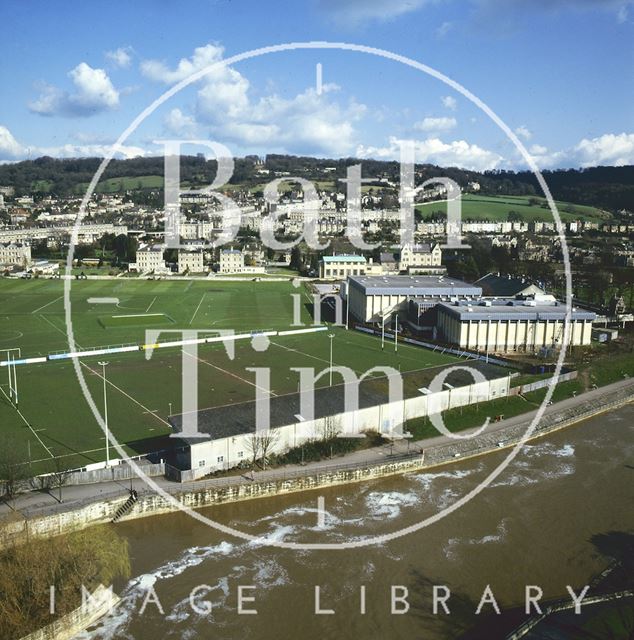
(38, 514)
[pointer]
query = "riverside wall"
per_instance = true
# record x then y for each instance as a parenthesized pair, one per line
(72, 623)
(213, 492)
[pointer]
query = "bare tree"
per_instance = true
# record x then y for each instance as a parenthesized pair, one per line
(59, 477)
(261, 444)
(13, 471)
(329, 428)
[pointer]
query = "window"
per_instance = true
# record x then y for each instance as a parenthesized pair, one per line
(240, 454)
(221, 458)
(201, 463)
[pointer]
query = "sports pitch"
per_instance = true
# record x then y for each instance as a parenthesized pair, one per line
(54, 419)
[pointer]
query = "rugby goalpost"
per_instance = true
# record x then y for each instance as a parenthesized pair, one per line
(13, 378)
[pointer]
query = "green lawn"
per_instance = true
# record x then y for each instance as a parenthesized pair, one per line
(142, 390)
(497, 208)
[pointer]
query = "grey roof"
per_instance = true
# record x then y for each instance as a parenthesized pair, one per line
(237, 419)
(413, 286)
(512, 309)
(494, 285)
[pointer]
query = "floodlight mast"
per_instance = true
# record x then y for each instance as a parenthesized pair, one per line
(105, 411)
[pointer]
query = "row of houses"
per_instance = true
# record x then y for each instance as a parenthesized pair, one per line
(151, 259)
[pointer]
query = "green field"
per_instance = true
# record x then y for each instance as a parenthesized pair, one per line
(141, 390)
(135, 320)
(497, 208)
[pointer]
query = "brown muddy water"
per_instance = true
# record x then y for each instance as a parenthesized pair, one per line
(539, 523)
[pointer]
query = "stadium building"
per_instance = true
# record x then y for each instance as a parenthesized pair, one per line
(371, 298)
(231, 428)
(503, 325)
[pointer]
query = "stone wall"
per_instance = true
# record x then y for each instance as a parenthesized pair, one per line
(81, 618)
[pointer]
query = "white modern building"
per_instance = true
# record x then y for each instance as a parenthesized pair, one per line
(372, 298)
(511, 325)
(342, 266)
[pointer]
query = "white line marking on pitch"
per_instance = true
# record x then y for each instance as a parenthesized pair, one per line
(47, 304)
(27, 423)
(127, 395)
(103, 301)
(229, 373)
(321, 512)
(151, 303)
(198, 307)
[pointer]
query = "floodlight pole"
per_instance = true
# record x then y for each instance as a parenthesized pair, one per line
(105, 412)
(331, 336)
(396, 334)
(383, 333)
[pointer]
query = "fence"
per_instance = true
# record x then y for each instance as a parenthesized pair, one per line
(540, 384)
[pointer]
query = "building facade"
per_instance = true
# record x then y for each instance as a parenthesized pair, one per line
(190, 261)
(150, 258)
(340, 267)
(511, 325)
(372, 298)
(231, 261)
(15, 253)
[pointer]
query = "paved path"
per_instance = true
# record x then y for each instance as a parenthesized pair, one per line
(41, 503)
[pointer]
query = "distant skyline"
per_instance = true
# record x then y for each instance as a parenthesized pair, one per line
(559, 73)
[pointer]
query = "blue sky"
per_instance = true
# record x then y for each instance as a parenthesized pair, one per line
(558, 72)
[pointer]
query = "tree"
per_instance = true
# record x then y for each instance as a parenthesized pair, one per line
(297, 262)
(27, 572)
(329, 428)
(261, 444)
(12, 468)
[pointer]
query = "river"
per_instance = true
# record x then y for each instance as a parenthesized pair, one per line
(545, 521)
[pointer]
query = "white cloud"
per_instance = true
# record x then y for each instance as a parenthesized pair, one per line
(357, 12)
(305, 123)
(523, 132)
(436, 124)
(89, 151)
(11, 149)
(121, 57)
(609, 149)
(203, 57)
(538, 149)
(94, 92)
(178, 123)
(457, 153)
(449, 102)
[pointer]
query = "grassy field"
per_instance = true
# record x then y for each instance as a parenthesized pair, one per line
(55, 419)
(497, 208)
